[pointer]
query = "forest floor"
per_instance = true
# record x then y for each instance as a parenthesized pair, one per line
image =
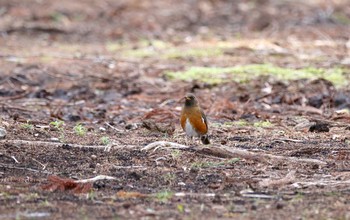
(87, 86)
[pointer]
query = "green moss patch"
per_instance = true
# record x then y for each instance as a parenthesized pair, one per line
(215, 75)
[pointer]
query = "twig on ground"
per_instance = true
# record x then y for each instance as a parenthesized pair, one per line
(164, 144)
(43, 165)
(234, 152)
(14, 158)
(289, 140)
(114, 128)
(228, 152)
(129, 167)
(99, 177)
(320, 183)
(8, 166)
(56, 144)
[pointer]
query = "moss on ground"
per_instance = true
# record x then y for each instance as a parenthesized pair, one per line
(215, 75)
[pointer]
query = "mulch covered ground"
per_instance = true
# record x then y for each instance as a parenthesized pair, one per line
(85, 90)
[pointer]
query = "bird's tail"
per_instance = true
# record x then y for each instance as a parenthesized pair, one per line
(205, 139)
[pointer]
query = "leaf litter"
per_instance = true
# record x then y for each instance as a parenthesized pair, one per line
(74, 62)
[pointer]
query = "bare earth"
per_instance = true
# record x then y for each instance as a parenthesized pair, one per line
(280, 148)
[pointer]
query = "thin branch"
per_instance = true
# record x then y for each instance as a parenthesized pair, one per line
(320, 183)
(229, 152)
(164, 144)
(259, 156)
(94, 179)
(43, 165)
(130, 167)
(114, 128)
(57, 144)
(14, 158)
(8, 166)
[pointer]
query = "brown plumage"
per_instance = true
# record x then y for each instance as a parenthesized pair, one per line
(193, 120)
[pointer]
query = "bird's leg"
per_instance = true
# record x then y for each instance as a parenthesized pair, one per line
(187, 140)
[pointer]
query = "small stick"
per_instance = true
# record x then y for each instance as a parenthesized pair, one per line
(129, 167)
(44, 166)
(228, 152)
(320, 183)
(100, 177)
(163, 144)
(57, 144)
(22, 168)
(14, 158)
(114, 128)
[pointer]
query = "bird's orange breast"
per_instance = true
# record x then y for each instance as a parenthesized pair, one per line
(194, 115)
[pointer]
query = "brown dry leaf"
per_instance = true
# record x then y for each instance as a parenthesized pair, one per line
(61, 184)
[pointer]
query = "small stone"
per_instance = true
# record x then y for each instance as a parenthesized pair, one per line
(2, 133)
(93, 157)
(102, 129)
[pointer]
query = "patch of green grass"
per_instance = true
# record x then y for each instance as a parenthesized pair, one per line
(169, 177)
(241, 74)
(298, 198)
(180, 208)
(113, 46)
(57, 16)
(164, 196)
(263, 124)
(175, 154)
(105, 140)
(193, 52)
(211, 75)
(91, 195)
(58, 124)
(341, 18)
(80, 130)
(347, 142)
(27, 126)
(45, 203)
(46, 59)
(32, 196)
(229, 124)
(240, 123)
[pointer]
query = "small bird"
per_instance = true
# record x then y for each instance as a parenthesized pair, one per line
(193, 120)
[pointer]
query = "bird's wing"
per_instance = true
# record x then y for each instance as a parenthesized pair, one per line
(204, 118)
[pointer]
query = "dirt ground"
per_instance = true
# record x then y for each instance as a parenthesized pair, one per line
(85, 87)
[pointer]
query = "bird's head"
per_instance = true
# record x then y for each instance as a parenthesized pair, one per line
(190, 100)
